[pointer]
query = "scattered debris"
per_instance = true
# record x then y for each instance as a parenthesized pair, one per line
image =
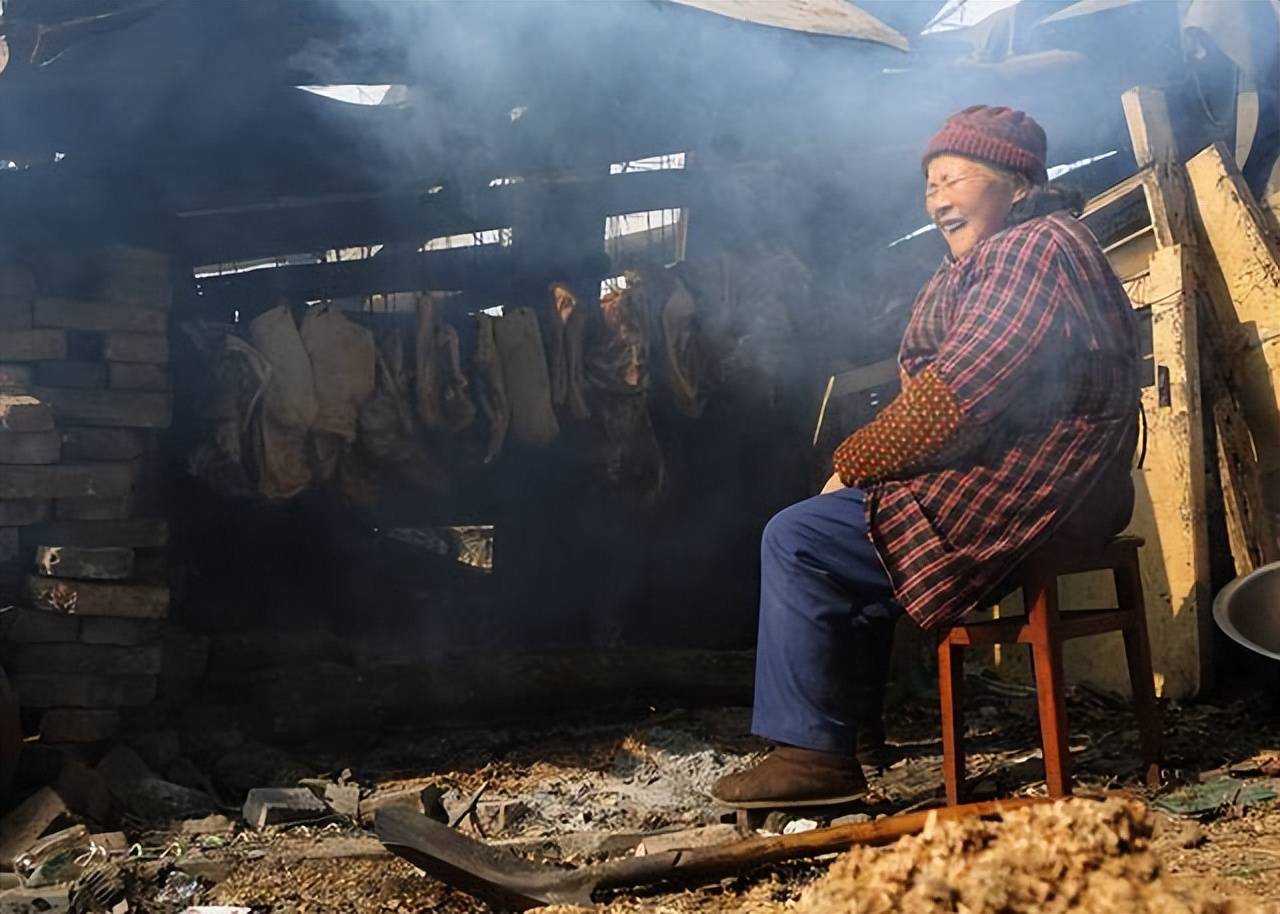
(280, 805)
(1221, 795)
(53, 899)
(344, 800)
(31, 819)
(705, 836)
(215, 824)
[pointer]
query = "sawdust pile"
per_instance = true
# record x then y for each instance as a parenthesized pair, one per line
(1073, 857)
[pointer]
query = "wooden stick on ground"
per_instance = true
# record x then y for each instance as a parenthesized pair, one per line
(508, 881)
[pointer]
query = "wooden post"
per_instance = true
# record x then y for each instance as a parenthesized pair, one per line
(1171, 484)
(1247, 343)
(1170, 200)
(1156, 152)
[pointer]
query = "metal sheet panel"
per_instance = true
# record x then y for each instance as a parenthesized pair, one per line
(839, 18)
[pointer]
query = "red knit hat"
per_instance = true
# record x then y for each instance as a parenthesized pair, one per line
(1001, 136)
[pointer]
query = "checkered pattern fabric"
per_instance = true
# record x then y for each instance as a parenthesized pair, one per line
(1033, 338)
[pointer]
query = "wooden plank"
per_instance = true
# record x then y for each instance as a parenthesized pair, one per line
(109, 444)
(135, 277)
(1114, 194)
(138, 376)
(1156, 152)
(10, 544)
(1171, 499)
(67, 480)
(89, 563)
(16, 282)
(72, 373)
(104, 659)
(275, 228)
(91, 598)
(488, 268)
(119, 508)
(1250, 316)
(15, 378)
(79, 314)
(30, 447)
(110, 408)
(1250, 526)
(73, 690)
(32, 345)
(145, 533)
(22, 512)
(135, 347)
(75, 725)
(23, 413)
(1171, 484)
(15, 315)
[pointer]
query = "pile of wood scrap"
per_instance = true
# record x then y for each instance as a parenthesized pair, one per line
(1073, 856)
(84, 363)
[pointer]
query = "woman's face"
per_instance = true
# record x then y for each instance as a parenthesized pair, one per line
(967, 200)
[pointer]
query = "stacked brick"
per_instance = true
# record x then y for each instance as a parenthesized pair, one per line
(85, 391)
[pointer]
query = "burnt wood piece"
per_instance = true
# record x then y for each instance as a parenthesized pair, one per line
(66, 480)
(100, 659)
(22, 625)
(109, 444)
(90, 563)
(21, 413)
(15, 315)
(142, 533)
(15, 378)
(72, 373)
(77, 314)
(110, 408)
(32, 345)
(30, 447)
(138, 376)
(499, 877)
(79, 725)
(84, 690)
(119, 508)
(135, 347)
(92, 598)
(21, 512)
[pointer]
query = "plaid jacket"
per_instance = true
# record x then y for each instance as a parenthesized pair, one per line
(1034, 335)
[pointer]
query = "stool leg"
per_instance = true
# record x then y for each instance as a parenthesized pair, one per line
(951, 691)
(1137, 649)
(1041, 597)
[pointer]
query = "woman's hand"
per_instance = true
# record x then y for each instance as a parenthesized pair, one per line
(833, 485)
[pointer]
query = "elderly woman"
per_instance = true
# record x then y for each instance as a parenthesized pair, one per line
(1015, 427)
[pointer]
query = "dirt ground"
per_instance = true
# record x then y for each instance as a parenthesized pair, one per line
(587, 790)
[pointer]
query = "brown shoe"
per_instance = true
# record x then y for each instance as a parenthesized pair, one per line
(789, 776)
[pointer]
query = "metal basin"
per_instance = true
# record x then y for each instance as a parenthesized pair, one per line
(1248, 610)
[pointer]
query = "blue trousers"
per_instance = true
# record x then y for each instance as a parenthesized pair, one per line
(826, 625)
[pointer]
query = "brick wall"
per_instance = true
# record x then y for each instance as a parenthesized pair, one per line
(85, 394)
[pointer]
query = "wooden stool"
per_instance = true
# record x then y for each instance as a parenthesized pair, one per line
(1044, 628)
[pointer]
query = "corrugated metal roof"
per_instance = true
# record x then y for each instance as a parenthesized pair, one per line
(838, 18)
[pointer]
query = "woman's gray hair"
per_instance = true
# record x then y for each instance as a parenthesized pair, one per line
(1039, 199)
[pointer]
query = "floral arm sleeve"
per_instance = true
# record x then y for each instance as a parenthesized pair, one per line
(921, 421)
